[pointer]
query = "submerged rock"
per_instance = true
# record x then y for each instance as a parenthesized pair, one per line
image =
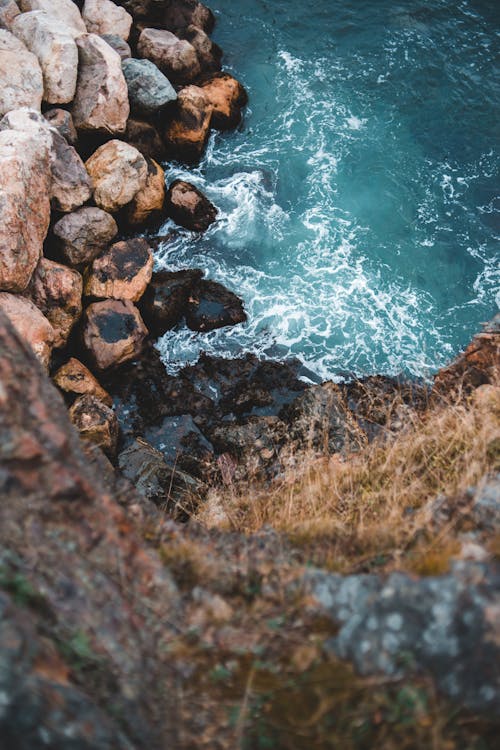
(187, 130)
(113, 333)
(227, 97)
(21, 81)
(118, 172)
(74, 380)
(30, 324)
(83, 234)
(150, 199)
(57, 291)
(149, 90)
(212, 306)
(175, 57)
(96, 423)
(105, 17)
(122, 272)
(165, 301)
(187, 206)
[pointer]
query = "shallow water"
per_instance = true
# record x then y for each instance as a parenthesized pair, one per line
(359, 201)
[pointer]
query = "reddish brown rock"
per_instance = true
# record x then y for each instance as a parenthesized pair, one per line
(146, 139)
(187, 206)
(175, 57)
(150, 198)
(57, 291)
(118, 172)
(227, 97)
(113, 333)
(209, 53)
(165, 300)
(122, 272)
(182, 13)
(30, 324)
(74, 379)
(83, 234)
(187, 131)
(212, 306)
(61, 120)
(96, 423)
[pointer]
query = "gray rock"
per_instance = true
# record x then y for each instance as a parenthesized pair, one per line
(148, 89)
(83, 234)
(21, 81)
(118, 44)
(9, 10)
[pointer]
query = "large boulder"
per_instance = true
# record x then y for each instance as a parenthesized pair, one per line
(227, 97)
(9, 10)
(187, 130)
(101, 101)
(30, 324)
(83, 234)
(104, 17)
(61, 120)
(64, 11)
(187, 206)
(175, 57)
(146, 139)
(54, 46)
(118, 172)
(21, 80)
(209, 53)
(113, 333)
(24, 206)
(212, 306)
(122, 272)
(182, 13)
(148, 89)
(165, 301)
(74, 379)
(150, 199)
(57, 291)
(118, 44)
(96, 423)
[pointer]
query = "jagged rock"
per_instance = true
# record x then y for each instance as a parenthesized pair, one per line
(30, 324)
(165, 300)
(187, 130)
(9, 10)
(104, 17)
(187, 206)
(118, 44)
(57, 291)
(227, 97)
(55, 48)
(101, 99)
(182, 13)
(146, 139)
(64, 11)
(182, 444)
(257, 441)
(21, 80)
(25, 206)
(148, 89)
(175, 57)
(83, 234)
(118, 172)
(113, 333)
(96, 423)
(61, 120)
(209, 53)
(122, 272)
(212, 306)
(74, 379)
(150, 198)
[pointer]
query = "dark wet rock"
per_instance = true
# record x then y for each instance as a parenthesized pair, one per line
(149, 90)
(165, 301)
(122, 272)
(227, 97)
(188, 125)
(149, 201)
(61, 120)
(83, 234)
(175, 57)
(113, 332)
(182, 444)
(96, 422)
(188, 207)
(212, 306)
(256, 442)
(57, 291)
(209, 53)
(146, 139)
(118, 44)
(179, 14)
(73, 379)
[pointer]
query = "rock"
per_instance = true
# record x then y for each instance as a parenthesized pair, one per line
(74, 379)
(150, 198)
(83, 234)
(182, 13)
(96, 423)
(182, 444)
(118, 44)
(175, 57)
(113, 333)
(227, 97)
(21, 80)
(101, 99)
(9, 10)
(63, 11)
(257, 441)
(122, 272)
(187, 206)
(209, 53)
(61, 120)
(25, 206)
(212, 306)
(57, 291)
(104, 17)
(187, 130)
(118, 172)
(30, 324)
(54, 46)
(146, 139)
(165, 300)
(148, 89)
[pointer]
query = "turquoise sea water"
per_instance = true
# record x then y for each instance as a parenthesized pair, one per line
(359, 200)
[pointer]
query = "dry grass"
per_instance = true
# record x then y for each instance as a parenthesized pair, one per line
(375, 505)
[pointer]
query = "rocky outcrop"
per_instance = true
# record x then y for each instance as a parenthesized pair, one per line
(9, 10)
(113, 332)
(187, 206)
(149, 90)
(212, 306)
(122, 272)
(227, 97)
(165, 300)
(187, 130)
(96, 423)
(146, 139)
(175, 57)
(73, 379)
(118, 172)
(30, 325)
(61, 120)
(105, 17)
(21, 81)
(83, 234)
(63, 11)
(150, 199)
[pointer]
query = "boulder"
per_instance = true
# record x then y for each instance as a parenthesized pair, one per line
(104, 17)
(64, 11)
(187, 130)
(187, 206)
(227, 97)
(182, 13)
(101, 99)
(113, 333)
(122, 272)
(9, 10)
(83, 234)
(24, 206)
(74, 380)
(175, 57)
(118, 44)
(57, 291)
(165, 300)
(118, 172)
(150, 199)
(30, 324)
(55, 48)
(146, 139)
(96, 422)
(148, 89)
(212, 306)
(209, 53)
(21, 80)
(61, 120)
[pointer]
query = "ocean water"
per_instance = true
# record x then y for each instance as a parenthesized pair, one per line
(359, 200)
